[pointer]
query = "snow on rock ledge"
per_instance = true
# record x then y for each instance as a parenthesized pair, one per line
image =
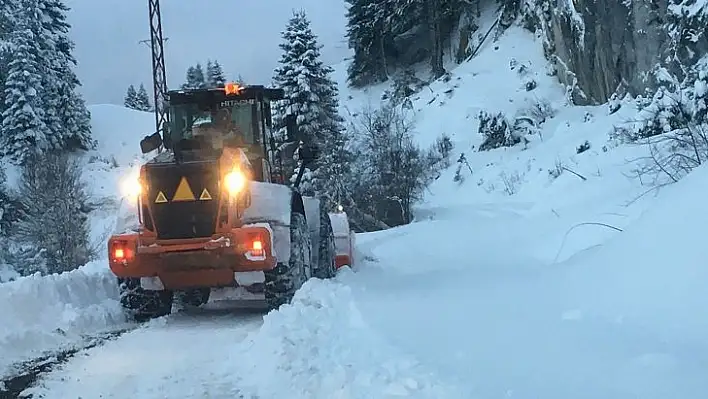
(40, 314)
(320, 347)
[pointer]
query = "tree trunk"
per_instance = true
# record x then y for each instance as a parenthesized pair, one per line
(434, 24)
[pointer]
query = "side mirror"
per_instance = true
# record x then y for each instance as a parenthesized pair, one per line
(291, 127)
(151, 143)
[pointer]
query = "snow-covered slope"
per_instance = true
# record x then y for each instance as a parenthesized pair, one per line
(242, 35)
(46, 314)
(519, 281)
(467, 297)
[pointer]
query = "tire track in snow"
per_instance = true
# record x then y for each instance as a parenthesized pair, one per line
(31, 371)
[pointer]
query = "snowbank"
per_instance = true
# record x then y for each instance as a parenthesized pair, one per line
(40, 314)
(320, 347)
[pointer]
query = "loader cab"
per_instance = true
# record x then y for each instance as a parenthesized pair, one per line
(205, 121)
(237, 113)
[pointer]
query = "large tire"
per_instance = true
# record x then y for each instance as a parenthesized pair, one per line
(285, 278)
(326, 266)
(142, 304)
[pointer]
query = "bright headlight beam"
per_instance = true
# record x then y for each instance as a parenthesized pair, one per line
(235, 181)
(131, 187)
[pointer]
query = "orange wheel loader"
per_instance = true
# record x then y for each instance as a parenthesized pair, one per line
(214, 211)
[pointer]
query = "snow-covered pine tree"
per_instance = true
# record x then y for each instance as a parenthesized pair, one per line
(215, 75)
(188, 79)
(23, 128)
(131, 97)
(8, 14)
(66, 113)
(366, 31)
(331, 181)
(310, 93)
(142, 99)
(8, 207)
(195, 78)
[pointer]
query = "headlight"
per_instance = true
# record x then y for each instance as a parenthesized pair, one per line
(235, 181)
(131, 187)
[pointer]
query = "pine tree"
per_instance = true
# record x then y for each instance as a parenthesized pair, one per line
(23, 128)
(367, 32)
(131, 98)
(142, 99)
(195, 78)
(215, 75)
(8, 207)
(331, 181)
(312, 96)
(66, 113)
(9, 11)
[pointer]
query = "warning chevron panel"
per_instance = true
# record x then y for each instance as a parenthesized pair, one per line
(205, 196)
(161, 199)
(184, 192)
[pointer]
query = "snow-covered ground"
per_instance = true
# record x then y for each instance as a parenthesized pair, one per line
(506, 286)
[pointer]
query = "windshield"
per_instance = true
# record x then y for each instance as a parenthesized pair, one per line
(234, 120)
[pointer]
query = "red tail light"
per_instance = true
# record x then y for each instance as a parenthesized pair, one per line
(120, 251)
(257, 247)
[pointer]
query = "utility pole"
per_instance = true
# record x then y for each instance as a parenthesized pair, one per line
(159, 79)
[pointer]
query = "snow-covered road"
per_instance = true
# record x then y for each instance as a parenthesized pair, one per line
(177, 356)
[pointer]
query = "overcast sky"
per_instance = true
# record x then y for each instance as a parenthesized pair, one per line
(242, 35)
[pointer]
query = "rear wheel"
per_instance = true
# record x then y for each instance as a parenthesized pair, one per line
(326, 266)
(287, 277)
(142, 304)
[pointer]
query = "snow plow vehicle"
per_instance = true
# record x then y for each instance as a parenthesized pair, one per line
(214, 210)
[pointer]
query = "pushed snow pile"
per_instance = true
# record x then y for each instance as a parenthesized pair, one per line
(39, 314)
(320, 347)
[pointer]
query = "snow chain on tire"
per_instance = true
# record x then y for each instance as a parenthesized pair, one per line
(282, 281)
(143, 304)
(326, 263)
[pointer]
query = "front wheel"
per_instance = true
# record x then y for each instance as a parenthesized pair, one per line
(287, 277)
(142, 304)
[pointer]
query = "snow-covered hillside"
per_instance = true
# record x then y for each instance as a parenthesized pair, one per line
(517, 281)
(243, 36)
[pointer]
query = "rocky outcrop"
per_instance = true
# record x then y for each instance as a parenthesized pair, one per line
(605, 46)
